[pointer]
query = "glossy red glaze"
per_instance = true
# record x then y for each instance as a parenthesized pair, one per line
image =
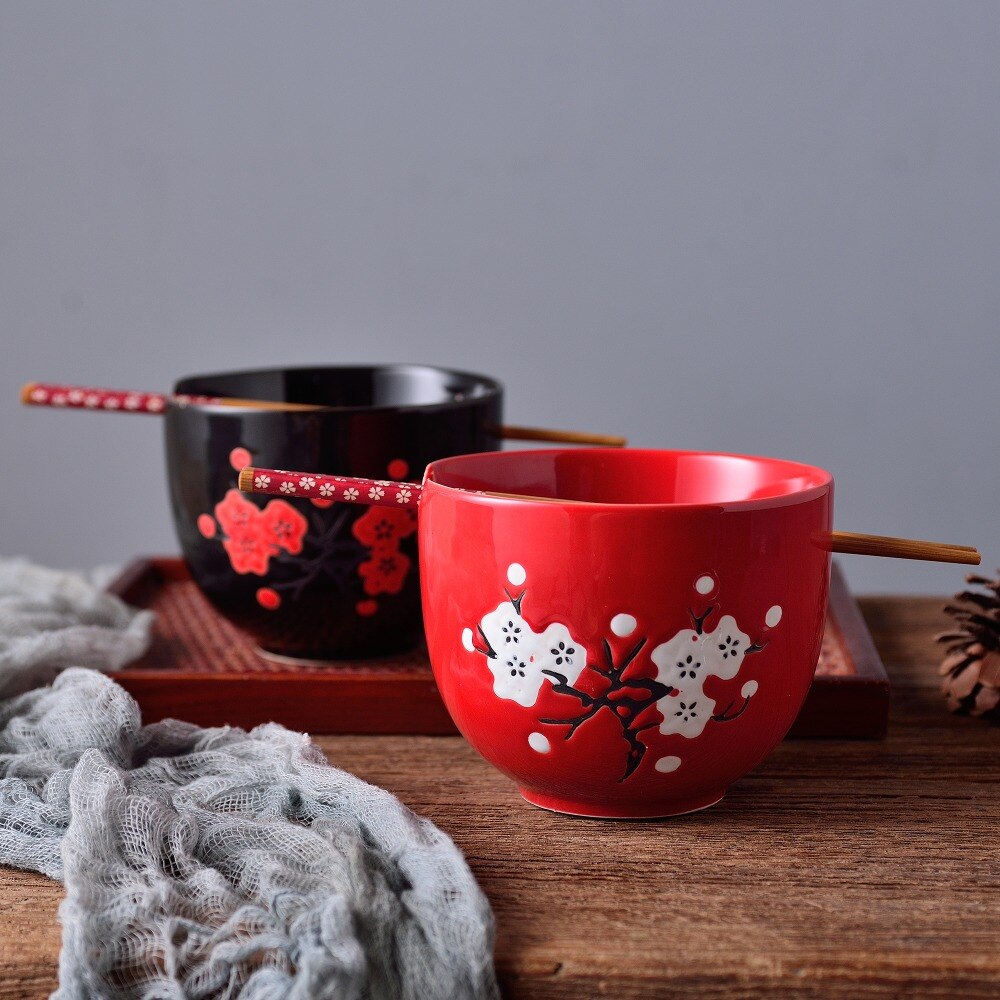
(664, 538)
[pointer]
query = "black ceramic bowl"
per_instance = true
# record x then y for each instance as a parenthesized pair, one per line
(313, 578)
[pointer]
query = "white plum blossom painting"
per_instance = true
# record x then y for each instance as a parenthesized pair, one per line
(522, 659)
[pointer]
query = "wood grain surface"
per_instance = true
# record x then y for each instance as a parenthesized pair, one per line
(836, 870)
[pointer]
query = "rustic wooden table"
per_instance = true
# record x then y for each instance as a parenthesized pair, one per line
(837, 869)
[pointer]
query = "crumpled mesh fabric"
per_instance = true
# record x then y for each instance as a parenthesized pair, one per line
(51, 619)
(224, 863)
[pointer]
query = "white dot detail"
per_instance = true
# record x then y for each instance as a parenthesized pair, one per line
(623, 624)
(749, 689)
(773, 616)
(467, 640)
(539, 742)
(704, 585)
(667, 764)
(516, 574)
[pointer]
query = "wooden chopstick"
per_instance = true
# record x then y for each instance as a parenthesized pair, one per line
(81, 397)
(850, 543)
(512, 433)
(280, 482)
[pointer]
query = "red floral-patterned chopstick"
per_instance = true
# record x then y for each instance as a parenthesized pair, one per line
(371, 492)
(80, 397)
(84, 398)
(350, 489)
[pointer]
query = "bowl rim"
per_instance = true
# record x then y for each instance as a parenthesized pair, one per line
(823, 485)
(492, 389)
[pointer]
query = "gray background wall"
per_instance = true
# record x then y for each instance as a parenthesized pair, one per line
(766, 227)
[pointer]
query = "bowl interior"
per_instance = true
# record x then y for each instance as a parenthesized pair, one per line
(347, 386)
(631, 476)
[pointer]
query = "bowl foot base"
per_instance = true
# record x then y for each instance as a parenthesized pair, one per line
(659, 810)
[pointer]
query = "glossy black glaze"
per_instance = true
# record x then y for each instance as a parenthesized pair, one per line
(376, 415)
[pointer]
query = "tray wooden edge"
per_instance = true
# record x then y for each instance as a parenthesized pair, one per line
(846, 613)
(304, 705)
(847, 707)
(296, 700)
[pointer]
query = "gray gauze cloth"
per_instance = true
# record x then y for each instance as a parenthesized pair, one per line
(210, 862)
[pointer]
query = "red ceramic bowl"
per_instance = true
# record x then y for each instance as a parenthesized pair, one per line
(634, 647)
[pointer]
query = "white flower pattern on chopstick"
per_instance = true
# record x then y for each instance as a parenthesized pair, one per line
(374, 492)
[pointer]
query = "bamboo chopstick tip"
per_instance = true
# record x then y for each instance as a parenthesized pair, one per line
(852, 543)
(245, 481)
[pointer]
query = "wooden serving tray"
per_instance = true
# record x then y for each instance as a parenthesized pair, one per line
(204, 670)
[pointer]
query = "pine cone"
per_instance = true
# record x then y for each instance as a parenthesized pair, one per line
(971, 670)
